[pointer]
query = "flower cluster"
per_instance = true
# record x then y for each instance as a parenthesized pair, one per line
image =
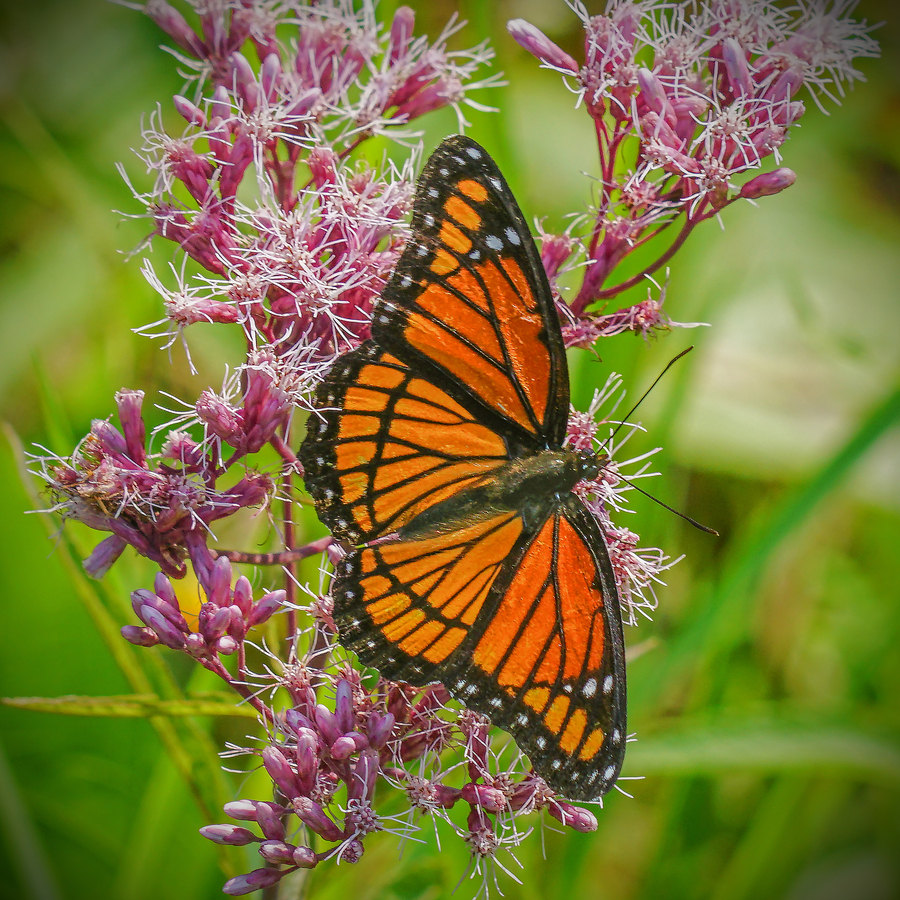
(287, 234)
(327, 761)
(686, 98)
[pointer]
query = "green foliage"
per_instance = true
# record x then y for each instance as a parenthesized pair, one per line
(766, 701)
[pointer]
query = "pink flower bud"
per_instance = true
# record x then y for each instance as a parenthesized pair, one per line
(277, 852)
(195, 644)
(129, 408)
(213, 625)
(243, 595)
(365, 775)
(142, 598)
(219, 585)
(252, 881)
(343, 747)
(573, 816)
(280, 771)
(104, 555)
(242, 809)
(168, 633)
(268, 605)
(401, 32)
(736, 66)
(379, 727)
(244, 81)
(239, 159)
(233, 835)
(489, 798)
(446, 796)
(313, 816)
(163, 589)
(269, 75)
(226, 645)
(140, 637)
(306, 754)
(327, 723)
(786, 85)
(268, 817)
(191, 113)
(768, 183)
(538, 44)
(653, 93)
(343, 705)
(220, 108)
(305, 858)
(174, 24)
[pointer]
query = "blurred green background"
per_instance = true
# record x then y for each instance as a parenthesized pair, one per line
(767, 698)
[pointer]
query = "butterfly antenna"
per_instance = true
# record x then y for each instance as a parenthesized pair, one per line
(686, 518)
(626, 417)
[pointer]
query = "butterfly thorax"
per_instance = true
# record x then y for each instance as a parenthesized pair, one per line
(530, 485)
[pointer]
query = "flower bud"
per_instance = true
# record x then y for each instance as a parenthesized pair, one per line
(242, 809)
(305, 858)
(401, 32)
(233, 835)
(736, 66)
(313, 816)
(167, 632)
(491, 799)
(379, 727)
(196, 645)
(220, 582)
(252, 881)
(140, 637)
(191, 113)
(768, 183)
(267, 606)
(268, 817)
(573, 816)
(538, 44)
(327, 724)
(243, 595)
(226, 645)
(343, 705)
(277, 852)
(280, 771)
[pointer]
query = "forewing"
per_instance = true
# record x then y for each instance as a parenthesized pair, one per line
(386, 443)
(470, 298)
(519, 622)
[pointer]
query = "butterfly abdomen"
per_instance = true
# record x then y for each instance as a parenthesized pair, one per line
(530, 485)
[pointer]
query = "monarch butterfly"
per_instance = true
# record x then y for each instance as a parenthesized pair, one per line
(438, 454)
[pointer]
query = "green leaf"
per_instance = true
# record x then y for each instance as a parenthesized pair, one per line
(131, 706)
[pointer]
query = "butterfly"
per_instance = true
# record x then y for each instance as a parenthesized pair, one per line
(437, 455)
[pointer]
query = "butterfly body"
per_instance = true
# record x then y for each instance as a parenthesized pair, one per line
(437, 456)
(531, 485)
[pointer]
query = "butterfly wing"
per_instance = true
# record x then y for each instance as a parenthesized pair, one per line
(518, 620)
(386, 443)
(469, 301)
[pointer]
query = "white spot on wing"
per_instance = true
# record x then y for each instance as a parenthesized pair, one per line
(474, 152)
(608, 684)
(513, 236)
(590, 687)
(494, 242)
